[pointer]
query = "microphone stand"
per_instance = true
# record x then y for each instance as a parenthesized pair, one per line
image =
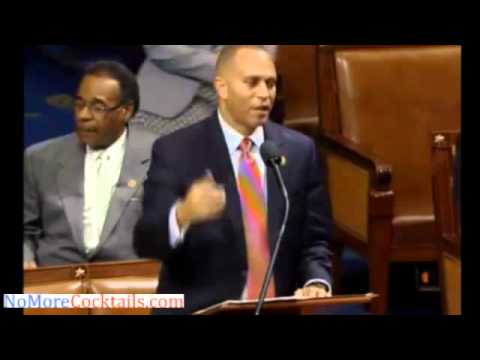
(268, 276)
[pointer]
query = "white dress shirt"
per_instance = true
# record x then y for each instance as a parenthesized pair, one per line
(233, 139)
(102, 172)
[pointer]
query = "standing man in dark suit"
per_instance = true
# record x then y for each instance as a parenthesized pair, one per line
(212, 210)
(176, 85)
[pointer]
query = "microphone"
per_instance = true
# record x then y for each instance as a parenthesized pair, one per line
(272, 157)
(271, 154)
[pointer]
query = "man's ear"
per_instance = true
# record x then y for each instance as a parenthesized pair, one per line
(221, 87)
(127, 112)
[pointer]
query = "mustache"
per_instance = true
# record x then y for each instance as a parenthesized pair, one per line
(86, 128)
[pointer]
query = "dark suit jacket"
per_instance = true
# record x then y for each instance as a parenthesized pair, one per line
(211, 264)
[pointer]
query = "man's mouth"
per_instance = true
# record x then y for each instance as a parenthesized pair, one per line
(86, 130)
(262, 108)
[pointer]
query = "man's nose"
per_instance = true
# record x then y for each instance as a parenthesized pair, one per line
(84, 114)
(262, 91)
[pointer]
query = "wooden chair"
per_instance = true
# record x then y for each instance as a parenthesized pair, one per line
(377, 106)
(444, 151)
(298, 86)
(386, 100)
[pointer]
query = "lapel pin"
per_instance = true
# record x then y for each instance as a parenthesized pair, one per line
(132, 184)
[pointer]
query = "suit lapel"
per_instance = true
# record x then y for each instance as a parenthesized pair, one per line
(132, 176)
(221, 167)
(276, 203)
(218, 160)
(70, 187)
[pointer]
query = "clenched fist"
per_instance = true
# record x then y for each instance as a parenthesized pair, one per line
(205, 201)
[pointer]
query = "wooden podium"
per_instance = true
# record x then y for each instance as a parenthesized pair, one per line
(117, 277)
(288, 305)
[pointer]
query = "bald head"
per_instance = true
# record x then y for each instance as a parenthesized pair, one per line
(246, 86)
(227, 55)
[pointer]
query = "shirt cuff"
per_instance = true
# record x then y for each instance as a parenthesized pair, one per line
(28, 251)
(176, 235)
(320, 281)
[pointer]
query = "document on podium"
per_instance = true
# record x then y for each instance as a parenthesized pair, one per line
(287, 304)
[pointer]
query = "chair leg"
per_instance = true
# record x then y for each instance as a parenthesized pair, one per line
(379, 254)
(379, 280)
(450, 284)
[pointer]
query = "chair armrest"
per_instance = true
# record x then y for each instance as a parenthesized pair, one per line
(381, 172)
(360, 187)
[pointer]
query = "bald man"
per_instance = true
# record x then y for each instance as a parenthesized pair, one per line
(176, 86)
(212, 209)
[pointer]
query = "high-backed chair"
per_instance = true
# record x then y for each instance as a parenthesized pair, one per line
(383, 102)
(298, 86)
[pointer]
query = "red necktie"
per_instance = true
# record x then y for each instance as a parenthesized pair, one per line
(254, 210)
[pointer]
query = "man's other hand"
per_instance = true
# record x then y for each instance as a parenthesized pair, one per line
(313, 291)
(29, 265)
(205, 201)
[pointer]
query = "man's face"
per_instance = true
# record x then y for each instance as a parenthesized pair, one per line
(248, 88)
(99, 120)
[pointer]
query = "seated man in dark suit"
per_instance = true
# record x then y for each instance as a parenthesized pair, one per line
(83, 191)
(212, 209)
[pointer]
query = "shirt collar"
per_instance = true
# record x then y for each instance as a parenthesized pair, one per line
(233, 138)
(113, 151)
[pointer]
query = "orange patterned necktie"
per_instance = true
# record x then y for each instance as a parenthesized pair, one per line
(252, 196)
